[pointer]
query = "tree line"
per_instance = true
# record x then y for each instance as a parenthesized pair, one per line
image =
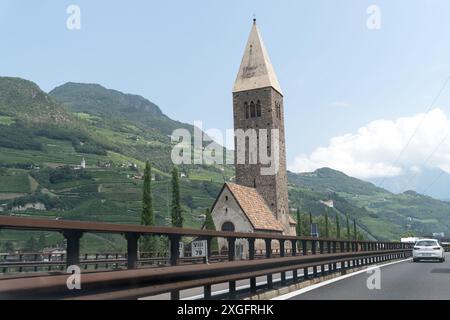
(156, 244)
(328, 227)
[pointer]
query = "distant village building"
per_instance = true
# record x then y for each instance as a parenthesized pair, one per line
(256, 202)
(81, 166)
(328, 203)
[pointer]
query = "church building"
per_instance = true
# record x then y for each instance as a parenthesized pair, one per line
(256, 202)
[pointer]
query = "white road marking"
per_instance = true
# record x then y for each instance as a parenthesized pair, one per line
(215, 293)
(327, 282)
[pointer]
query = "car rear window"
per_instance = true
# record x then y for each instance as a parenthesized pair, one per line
(426, 243)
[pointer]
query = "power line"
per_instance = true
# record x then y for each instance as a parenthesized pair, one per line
(436, 98)
(408, 183)
(434, 181)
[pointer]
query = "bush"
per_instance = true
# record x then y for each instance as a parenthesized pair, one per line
(18, 137)
(49, 202)
(66, 173)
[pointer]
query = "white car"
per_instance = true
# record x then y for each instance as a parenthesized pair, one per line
(428, 249)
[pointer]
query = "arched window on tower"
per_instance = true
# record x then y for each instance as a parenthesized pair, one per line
(258, 109)
(247, 111)
(252, 109)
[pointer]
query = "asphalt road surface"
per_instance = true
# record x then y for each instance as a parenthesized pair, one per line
(401, 281)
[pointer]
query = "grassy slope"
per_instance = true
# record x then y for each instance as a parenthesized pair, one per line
(111, 195)
(385, 214)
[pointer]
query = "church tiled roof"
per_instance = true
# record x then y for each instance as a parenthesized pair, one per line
(292, 221)
(255, 208)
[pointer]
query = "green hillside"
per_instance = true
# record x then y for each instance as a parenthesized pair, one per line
(115, 133)
(382, 213)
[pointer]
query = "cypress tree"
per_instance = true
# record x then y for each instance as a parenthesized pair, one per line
(209, 225)
(148, 243)
(31, 245)
(299, 224)
(147, 217)
(348, 227)
(9, 247)
(42, 242)
(177, 218)
(327, 232)
(338, 227)
(354, 230)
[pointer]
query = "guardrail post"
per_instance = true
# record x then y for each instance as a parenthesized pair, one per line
(321, 246)
(334, 251)
(252, 284)
(305, 252)
(207, 292)
(251, 256)
(295, 275)
(294, 247)
(268, 247)
(329, 249)
(282, 254)
(282, 248)
(175, 295)
(251, 248)
(132, 250)
(174, 249)
(269, 281)
(304, 248)
(73, 247)
(232, 289)
(313, 251)
(174, 260)
(231, 249)
(208, 249)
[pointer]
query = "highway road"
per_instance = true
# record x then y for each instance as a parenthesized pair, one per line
(401, 281)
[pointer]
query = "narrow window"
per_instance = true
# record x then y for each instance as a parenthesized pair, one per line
(278, 109)
(252, 110)
(258, 109)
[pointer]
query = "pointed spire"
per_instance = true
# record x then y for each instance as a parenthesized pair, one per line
(256, 70)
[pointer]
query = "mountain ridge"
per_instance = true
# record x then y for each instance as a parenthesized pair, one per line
(383, 212)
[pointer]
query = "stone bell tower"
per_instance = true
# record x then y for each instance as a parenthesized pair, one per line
(258, 104)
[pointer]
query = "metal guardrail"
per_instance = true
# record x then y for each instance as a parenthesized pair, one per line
(305, 252)
(134, 284)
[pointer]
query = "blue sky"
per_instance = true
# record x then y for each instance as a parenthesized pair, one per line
(336, 74)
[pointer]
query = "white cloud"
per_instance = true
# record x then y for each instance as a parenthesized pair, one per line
(372, 151)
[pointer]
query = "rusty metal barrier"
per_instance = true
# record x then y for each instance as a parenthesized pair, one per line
(133, 283)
